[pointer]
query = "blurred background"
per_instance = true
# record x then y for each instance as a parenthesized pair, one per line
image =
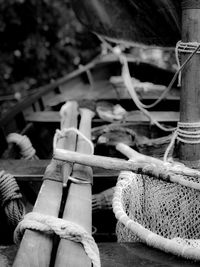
(40, 40)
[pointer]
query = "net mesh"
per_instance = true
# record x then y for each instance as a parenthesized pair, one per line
(167, 209)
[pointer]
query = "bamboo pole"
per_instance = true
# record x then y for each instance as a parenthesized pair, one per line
(35, 248)
(190, 91)
(78, 208)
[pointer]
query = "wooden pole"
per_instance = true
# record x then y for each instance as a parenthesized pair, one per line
(35, 248)
(78, 208)
(190, 91)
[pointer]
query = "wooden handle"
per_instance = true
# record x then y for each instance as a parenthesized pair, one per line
(35, 248)
(78, 208)
(134, 155)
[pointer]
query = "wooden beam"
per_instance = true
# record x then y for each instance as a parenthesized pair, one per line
(190, 91)
(133, 116)
(35, 248)
(33, 170)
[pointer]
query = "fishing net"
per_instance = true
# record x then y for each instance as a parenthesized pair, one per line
(159, 206)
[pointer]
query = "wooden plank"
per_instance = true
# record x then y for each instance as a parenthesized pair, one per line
(35, 248)
(24, 167)
(133, 116)
(78, 208)
(140, 255)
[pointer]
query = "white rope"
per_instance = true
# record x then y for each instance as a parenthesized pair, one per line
(64, 132)
(11, 198)
(182, 47)
(128, 83)
(26, 149)
(65, 229)
(186, 132)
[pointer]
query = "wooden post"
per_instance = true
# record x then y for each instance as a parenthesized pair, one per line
(78, 208)
(190, 91)
(35, 248)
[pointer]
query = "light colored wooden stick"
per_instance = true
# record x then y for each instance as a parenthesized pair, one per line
(120, 164)
(93, 160)
(78, 208)
(134, 155)
(35, 248)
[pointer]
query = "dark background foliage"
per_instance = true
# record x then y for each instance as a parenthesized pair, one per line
(40, 40)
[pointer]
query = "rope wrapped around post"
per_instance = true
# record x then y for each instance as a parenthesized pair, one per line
(64, 229)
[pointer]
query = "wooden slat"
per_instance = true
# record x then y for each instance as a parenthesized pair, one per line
(33, 170)
(35, 248)
(134, 116)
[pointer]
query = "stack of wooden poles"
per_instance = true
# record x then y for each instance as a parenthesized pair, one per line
(41, 250)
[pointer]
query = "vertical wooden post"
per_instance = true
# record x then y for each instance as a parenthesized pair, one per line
(190, 91)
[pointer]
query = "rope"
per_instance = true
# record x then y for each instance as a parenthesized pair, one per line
(26, 149)
(63, 133)
(181, 47)
(10, 198)
(192, 48)
(65, 229)
(186, 132)
(128, 83)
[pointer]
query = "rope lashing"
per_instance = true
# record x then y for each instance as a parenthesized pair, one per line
(11, 198)
(64, 229)
(26, 149)
(186, 132)
(63, 133)
(189, 48)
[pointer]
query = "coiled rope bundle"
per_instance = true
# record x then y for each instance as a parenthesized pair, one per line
(11, 198)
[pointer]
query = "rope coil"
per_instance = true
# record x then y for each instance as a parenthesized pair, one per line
(65, 229)
(186, 132)
(10, 198)
(27, 150)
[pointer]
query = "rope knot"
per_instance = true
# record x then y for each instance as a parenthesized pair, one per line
(65, 229)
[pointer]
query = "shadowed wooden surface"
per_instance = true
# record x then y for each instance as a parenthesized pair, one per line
(138, 255)
(121, 255)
